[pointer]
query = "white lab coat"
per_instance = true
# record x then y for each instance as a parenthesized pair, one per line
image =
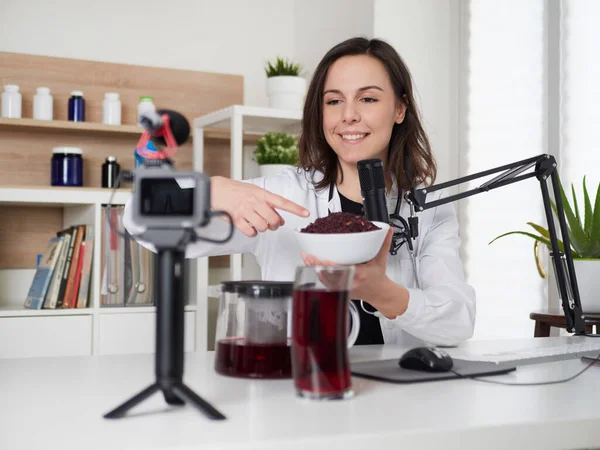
(442, 312)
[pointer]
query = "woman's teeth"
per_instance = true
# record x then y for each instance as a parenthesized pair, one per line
(353, 137)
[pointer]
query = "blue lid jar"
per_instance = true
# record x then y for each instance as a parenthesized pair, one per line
(66, 166)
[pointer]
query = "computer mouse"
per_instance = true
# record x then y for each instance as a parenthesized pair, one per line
(426, 359)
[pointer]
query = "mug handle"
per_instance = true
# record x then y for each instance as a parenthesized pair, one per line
(355, 323)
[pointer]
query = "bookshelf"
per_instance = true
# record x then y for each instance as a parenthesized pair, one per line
(32, 211)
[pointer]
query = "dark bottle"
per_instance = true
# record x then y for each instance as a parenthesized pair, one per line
(77, 107)
(110, 172)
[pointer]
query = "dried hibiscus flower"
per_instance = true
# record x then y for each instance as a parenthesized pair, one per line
(340, 222)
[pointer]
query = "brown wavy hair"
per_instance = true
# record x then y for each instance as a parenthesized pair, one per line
(409, 153)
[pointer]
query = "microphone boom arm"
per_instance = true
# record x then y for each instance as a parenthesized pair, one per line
(544, 167)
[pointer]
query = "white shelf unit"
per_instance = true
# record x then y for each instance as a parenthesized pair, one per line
(241, 121)
(86, 331)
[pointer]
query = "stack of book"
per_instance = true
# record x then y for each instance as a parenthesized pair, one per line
(62, 279)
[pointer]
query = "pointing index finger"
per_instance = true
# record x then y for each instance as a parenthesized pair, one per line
(279, 202)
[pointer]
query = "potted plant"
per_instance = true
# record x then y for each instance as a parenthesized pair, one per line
(584, 237)
(285, 87)
(274, 152)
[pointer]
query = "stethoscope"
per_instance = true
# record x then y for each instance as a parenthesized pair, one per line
(402, 233)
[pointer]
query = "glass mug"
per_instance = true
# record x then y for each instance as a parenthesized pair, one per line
(320, 340)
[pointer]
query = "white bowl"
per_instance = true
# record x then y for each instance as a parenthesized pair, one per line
(344, 248)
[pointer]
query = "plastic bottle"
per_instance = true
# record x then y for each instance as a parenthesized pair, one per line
(146, 105)
(111, 109)
(42, 104)
(11, 102)
(110, 172)
(77, 107)
(66, 166)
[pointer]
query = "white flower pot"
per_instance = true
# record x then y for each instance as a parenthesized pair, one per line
(286, 92)
(588, 282)
(271, 170)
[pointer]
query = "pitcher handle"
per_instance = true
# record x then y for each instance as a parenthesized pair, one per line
(355, 323)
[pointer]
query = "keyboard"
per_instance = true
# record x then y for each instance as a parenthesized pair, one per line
(590, 347)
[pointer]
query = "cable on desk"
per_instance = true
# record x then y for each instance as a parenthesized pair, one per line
(541, 383)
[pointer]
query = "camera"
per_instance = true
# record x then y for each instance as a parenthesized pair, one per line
(168, 199)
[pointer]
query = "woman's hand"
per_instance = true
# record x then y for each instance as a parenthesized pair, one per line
(252, 208)
(371, 283)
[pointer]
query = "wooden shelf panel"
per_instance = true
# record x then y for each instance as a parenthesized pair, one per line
(25, 232)
(100, 128)
(70, 126)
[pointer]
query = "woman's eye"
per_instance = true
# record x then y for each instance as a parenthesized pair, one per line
(332, 102)
(369, 99)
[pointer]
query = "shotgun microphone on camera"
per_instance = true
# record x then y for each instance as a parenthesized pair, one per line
(159, 123)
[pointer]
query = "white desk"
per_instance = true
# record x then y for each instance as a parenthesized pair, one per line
(59, 403)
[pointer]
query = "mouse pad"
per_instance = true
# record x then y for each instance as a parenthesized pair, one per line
(389, 370)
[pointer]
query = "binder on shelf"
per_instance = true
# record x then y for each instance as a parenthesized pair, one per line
(127, 267)
(112, 291)
(142, 270)
(43, 274)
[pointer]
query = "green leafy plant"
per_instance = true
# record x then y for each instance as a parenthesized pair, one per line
(282, 67)
(584, 231)
(276, 148)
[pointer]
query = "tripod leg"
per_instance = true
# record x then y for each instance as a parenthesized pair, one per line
(120, 411)
(171, 398)
(186, 393)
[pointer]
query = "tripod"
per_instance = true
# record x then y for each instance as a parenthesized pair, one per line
(169, 340)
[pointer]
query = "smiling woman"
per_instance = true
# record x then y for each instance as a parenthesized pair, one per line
(359, 105)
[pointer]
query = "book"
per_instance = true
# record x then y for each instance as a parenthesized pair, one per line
(43, 274)
(86, 268)
(72, 231)
(74, 296)
(74, 266)
(53, 290)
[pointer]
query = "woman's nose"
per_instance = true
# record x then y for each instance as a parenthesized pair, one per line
(351, 114)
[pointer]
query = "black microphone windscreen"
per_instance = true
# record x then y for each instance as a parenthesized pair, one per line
(372, 189)
(179, 126)
(370, 174)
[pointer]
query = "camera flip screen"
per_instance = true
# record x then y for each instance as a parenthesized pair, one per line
(172, 196)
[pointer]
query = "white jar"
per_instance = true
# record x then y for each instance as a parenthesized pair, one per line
(146, 105)
(42, 104)
(111, 109)
(11, 102)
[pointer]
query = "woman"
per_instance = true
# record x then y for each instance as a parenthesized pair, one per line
(359, 105)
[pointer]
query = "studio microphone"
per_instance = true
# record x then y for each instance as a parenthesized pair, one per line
(372, 190)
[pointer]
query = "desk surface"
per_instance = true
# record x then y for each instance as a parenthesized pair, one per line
(59, 403)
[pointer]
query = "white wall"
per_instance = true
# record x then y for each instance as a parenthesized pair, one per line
(227, 36)
(426, 35)
(321, 24)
